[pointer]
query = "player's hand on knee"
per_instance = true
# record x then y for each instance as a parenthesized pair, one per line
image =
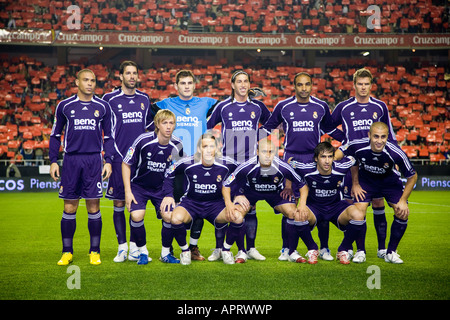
(243, 201)
(167, 206)
(401, 210)
(358, 193)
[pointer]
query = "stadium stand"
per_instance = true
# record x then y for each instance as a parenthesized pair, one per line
(260, 16)
(416, 96)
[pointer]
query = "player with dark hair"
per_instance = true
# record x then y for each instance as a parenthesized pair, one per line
(266, 177)
(191, 113)
(240, 116)
(377, 177)
(356, 115)
(143, 171)
(305, 119)
(86, 120)
(204, 173)
(131, 117)
(325, 199)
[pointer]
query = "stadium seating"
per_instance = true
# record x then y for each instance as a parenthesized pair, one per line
(286, 16)
(420, 119)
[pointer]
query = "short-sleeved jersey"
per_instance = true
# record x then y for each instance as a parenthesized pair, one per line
(131, 117)
(240, 123)
(191, 118)
(378, 166)
(303, 123)
(202, 183)
(149, 160)
(327, 189)
(252, 177)
(87, 128)
(356, 118)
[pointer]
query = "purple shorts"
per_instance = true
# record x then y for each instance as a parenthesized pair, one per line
(273, 199)
(81, 176)
(390, 188)
(328, 212)
(115, 190)
(208, 210)
(142, 195)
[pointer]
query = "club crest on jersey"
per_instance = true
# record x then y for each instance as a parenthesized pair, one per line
(276, 179)
(219, 178)
(315, 115)
(253, 115)
(96, 113)
(375, 115)
(130, 152)
(188, 111)
(142, 106)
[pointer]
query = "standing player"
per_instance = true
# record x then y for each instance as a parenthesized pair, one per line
(377, 177)
(325, 199)
(305, 119)
(143, 170)
(191, 113)
(204, 173)
(266, 177)
(131, 117)
(240, 117)
(86, 121)
(356, 115)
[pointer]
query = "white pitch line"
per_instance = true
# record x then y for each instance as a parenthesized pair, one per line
(431, 204)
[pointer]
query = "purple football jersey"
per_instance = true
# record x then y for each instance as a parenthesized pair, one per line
(85, 124)
(250, 176)
(149, 160)
(379, 166)
(240, 123)
(202, 183)
(131, 117)
(327, 189)
(303, 123)
(356, 118)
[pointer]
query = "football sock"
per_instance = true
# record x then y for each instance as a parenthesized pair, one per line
(220, 235)
(291, 234)
(284, 235)
(68, 226)
(166, 238)
(304, 231)
(95, 230)
(361, 240)
(132, 240)
(240, 239)
(352, 232)
(379, 219)
(232, 234)
(196, 230)
(398, 229)
(251, 225)
(137, 228)
(323, 229)
(119, 224)
(179, 233)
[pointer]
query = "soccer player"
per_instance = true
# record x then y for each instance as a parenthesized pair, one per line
(143, 171)
(240, 117)
(191, 113)
(204, 173)
(266, 177)
(131, 117)
(378, 177)
(86, 120)
(356, 115)
(325, 199)
(305, 119)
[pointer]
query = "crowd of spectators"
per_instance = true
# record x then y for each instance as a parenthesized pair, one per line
(257, 16)
(417, 96)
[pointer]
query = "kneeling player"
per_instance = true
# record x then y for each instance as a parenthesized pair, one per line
(143, 170)
(325, 199)
(265, 177)
(204, 173)
(377, 177)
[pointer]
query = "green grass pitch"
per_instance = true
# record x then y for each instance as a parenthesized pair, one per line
(30, 246)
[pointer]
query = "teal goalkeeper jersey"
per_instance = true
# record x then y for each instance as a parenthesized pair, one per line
(191, 118)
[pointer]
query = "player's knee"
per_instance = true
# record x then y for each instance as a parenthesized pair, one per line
(138, 215)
